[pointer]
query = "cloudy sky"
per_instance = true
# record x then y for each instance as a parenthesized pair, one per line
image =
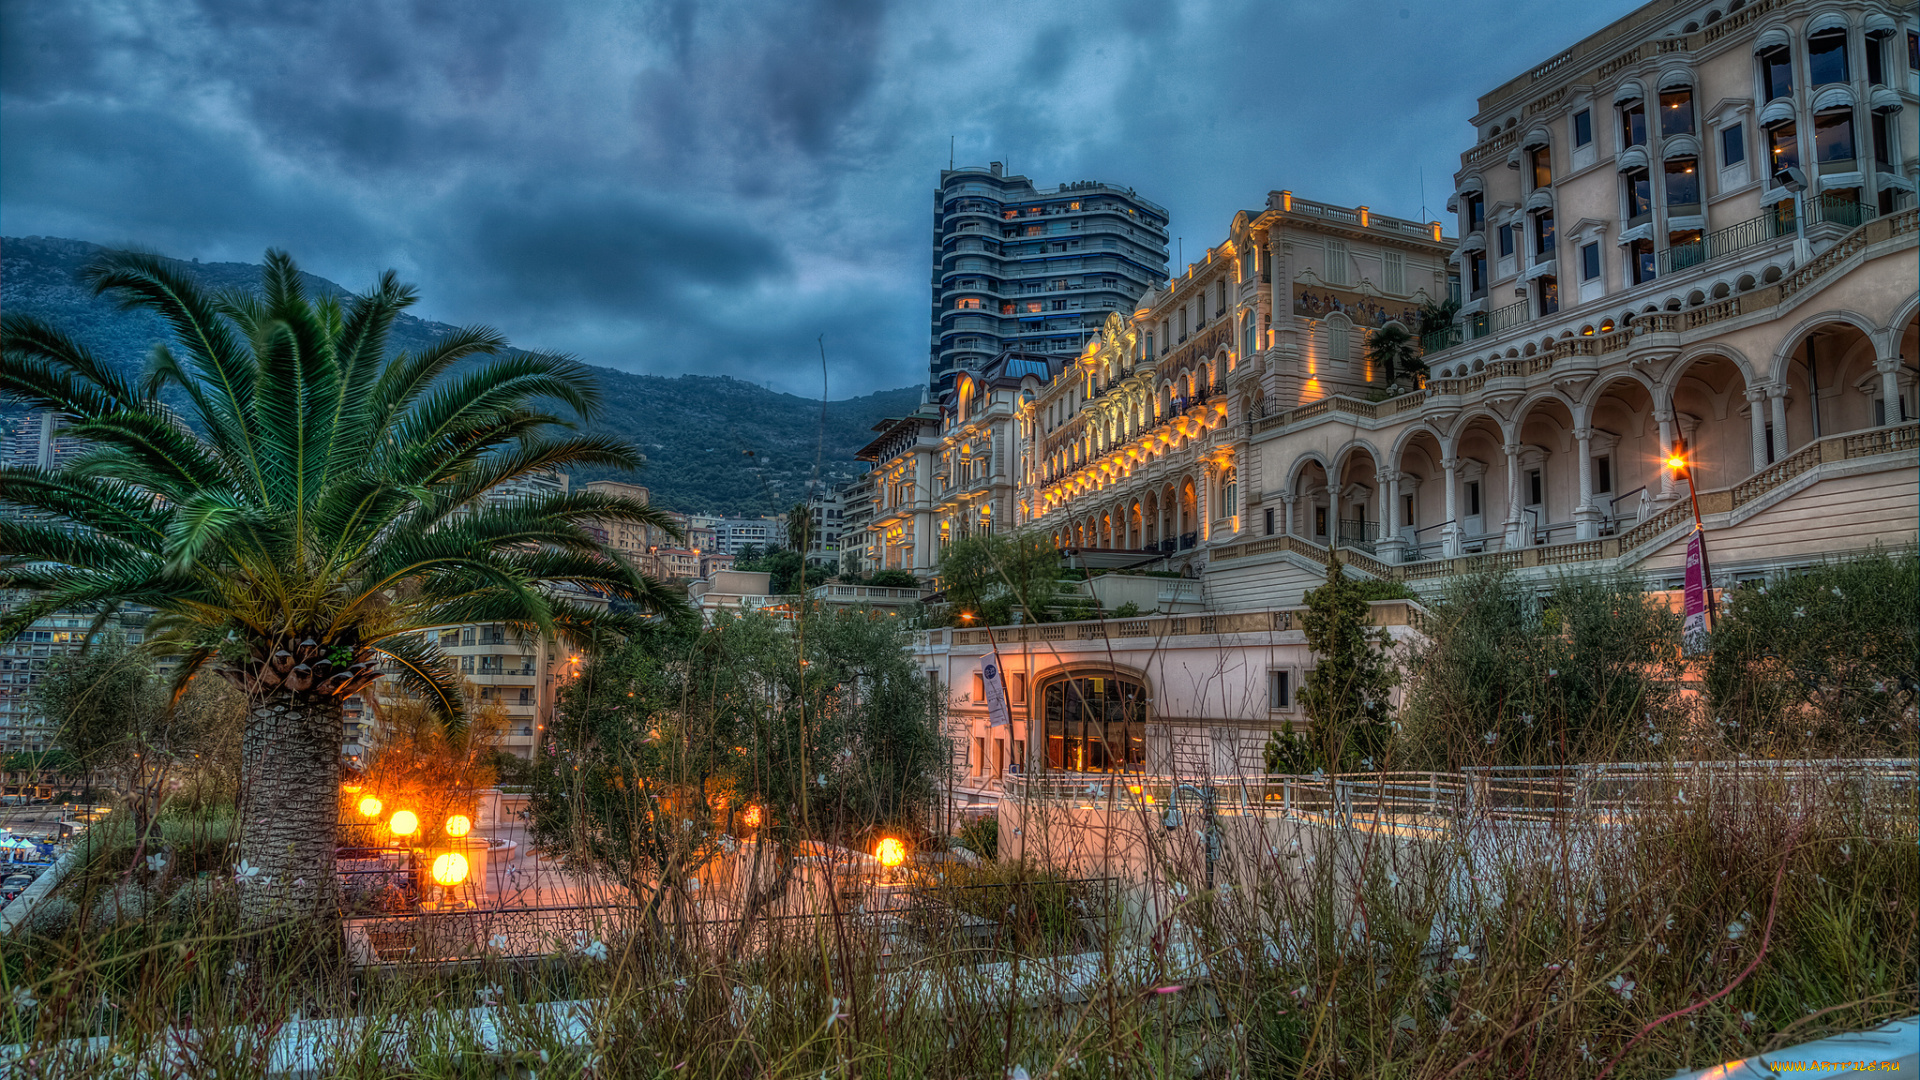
(709, 186)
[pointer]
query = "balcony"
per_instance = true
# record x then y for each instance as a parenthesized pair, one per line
(1723, 242)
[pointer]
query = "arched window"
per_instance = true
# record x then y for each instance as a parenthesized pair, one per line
(1095, 724)
(1230, 491)
(1247, 331)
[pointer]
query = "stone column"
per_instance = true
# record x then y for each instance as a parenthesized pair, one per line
(1666, 448)
(1513, 534)
(1777, 404)
(1889, 368)
(1392, 548)
(1450, 532)
(1586, 516)
(1757, 416)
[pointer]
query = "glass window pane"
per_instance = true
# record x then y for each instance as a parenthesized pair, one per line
(1827, 58)
(1582, 127)
(1833, 135)
(1733, 145)
(1683, 183)
(1776, 68)
(1676, 112)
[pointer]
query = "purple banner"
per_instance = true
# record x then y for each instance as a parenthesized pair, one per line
(1698, 620)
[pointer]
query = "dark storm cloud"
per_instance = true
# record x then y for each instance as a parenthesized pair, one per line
(710, 185)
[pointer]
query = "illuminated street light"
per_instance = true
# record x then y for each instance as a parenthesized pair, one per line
(370, 807)
(750, 816)
(404, 823)
(890, 852)
(459, 825)
(450, 869)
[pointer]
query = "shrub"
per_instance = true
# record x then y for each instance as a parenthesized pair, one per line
(1823, 659)
(1508, 676)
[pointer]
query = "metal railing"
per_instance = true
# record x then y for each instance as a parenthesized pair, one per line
(1842, 210)
(1769, 226)
(1435, 799)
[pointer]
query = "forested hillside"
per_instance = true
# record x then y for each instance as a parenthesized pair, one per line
(714, 444)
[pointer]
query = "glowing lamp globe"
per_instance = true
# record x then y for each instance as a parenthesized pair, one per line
(369, 807)
(450, 869)
(459, 825)
(750, 817)
(404, 823)
(890, 852)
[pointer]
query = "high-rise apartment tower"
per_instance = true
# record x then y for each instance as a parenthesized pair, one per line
(1035, 269)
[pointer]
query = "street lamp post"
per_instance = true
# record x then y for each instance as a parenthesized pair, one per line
(1697, 622)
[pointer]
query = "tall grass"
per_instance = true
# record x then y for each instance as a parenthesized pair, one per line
(1719, 920)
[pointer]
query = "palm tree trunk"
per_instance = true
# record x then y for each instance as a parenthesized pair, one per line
(289, 809)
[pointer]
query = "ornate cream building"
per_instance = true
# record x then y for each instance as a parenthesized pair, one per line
(1693, 229)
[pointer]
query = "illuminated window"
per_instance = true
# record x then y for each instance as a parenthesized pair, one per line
(1095, 724)
(1783, 147)
(1676, 112)
(1683, 185)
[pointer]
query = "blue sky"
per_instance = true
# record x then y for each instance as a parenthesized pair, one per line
(707, 187)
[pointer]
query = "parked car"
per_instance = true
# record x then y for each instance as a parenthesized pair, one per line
(13, 886)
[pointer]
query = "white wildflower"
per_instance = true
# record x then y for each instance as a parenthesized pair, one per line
(1462, 954)
(497, 942)
(157, 862)
(1669, 922)
(1746, 1019)
(1799, 613)
(23, 998)
(491, 994)
(1681, 798)
(1622, 986)
(1838, 593)
(244, 871)
(595, 950)
(236, 969)
(1018, 1072)
(1487, 738)
(1393, 878)
(1846, 849)
(1179, 890)
(834, 1015)
(1736, 930)
(1585, 1054)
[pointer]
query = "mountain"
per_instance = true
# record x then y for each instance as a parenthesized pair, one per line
(714, 444)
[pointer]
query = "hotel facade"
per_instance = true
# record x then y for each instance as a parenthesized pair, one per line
(1692, 230)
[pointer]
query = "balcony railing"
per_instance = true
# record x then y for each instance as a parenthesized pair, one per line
(1842, 210)
(1768, 226)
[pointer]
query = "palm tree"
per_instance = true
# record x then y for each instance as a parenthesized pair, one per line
(320, 506)
(1396, 351)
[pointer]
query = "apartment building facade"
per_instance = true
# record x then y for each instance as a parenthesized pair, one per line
(1142, 447)
(1640, 273)
(901, 460)
(1033, 269)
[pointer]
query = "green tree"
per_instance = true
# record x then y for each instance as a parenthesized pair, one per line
(1510, 674)
(1436, 316)
(1828, 656)
(783, 566)
(1347, 694)
(323, 504)
(666, 752)
(988, 578)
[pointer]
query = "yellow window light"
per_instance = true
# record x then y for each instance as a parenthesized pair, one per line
(450, 869)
